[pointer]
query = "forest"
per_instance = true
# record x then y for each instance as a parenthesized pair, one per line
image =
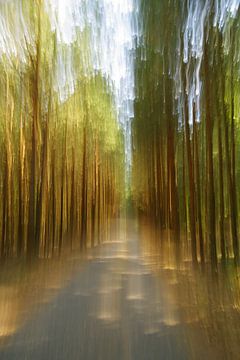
(119, 179)
(186, 125)
(63, 166)
(62, 163)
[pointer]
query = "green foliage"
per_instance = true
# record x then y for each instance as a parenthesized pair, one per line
(62, 169)
(169, 150)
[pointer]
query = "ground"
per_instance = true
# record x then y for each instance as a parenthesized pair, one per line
(122, 302)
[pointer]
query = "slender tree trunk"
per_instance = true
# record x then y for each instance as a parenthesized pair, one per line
(83, 198)
(192, 206)
(32, 242)
(199, 202)
(233, 154)
(210, 169)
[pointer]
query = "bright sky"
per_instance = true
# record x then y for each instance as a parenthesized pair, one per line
(110, 39)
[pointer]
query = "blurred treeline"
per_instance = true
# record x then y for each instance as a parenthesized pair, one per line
(186, 151)
(62, 155)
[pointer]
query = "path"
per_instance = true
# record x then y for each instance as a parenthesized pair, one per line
(114, 308)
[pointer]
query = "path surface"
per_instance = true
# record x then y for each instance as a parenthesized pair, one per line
(113, 308)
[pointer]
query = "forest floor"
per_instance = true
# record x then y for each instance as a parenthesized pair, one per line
(124, 299)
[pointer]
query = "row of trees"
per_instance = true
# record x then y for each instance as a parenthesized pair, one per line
(62, 163)
(186, 145)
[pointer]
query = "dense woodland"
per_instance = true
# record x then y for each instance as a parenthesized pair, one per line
(62, 169)
(186, 127)
(62, 163)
